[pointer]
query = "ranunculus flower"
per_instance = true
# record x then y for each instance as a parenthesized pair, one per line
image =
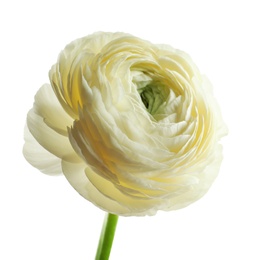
(133, 126)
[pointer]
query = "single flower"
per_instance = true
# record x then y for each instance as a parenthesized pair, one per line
(133, 126)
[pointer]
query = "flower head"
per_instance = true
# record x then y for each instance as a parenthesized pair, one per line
(133, 126)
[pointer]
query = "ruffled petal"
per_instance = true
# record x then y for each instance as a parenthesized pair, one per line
(75, 174)
(39, 157)
(48, 107)
(47, 122)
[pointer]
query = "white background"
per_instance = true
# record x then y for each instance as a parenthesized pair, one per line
(42, 217)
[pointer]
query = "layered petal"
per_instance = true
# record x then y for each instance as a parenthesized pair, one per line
(46, 137)
(39, 157)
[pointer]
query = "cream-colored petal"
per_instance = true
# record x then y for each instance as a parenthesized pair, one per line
(48, 122)
(206, 178)
(46, 136)
(48, 107)
(55, 143)
(136, 205)
(75, 174)
(39, 157)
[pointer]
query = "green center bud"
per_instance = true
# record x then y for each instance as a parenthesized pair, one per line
(153, 96)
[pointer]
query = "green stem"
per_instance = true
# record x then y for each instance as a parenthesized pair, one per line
(107, 237)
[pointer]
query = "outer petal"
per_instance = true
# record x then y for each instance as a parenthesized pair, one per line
(65, 76)
(39, 157)
(75, 174)
(46, 140)
(105, 195)
(48, 107)
(205, 180)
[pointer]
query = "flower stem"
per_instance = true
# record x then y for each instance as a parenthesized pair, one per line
(107, 237)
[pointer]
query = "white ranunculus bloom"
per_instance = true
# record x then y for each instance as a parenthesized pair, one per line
(133, 126)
